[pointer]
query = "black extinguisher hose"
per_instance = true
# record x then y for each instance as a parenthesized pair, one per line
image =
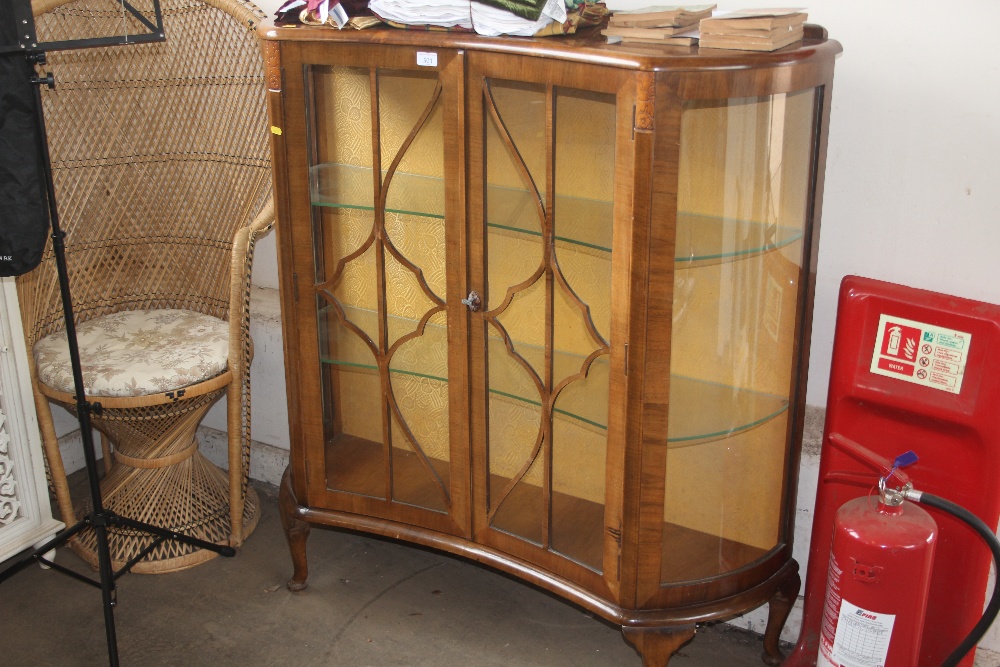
(974, 522)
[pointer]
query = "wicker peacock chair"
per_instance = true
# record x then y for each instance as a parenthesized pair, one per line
(162, 176)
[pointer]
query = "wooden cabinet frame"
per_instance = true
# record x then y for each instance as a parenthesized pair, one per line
(651, 90)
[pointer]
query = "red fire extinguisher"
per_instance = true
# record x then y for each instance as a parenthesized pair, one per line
(879, 581)
(881, 559)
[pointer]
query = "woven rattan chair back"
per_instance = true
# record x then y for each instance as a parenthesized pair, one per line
(159, 156)
(161, 166)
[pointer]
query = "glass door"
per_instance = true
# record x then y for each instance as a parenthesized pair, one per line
(382, 209)
(544, 344)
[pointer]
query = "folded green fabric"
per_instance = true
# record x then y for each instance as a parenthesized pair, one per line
(528, 9)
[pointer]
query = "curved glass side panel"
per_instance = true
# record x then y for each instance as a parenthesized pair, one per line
(744, 196)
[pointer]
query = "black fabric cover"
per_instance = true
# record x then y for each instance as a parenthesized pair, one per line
(24, 215)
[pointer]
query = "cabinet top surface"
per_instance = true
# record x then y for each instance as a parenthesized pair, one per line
(587, 45)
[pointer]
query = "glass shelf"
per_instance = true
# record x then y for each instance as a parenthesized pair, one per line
(707, 239)
(701, 239)
(700, 411)
(348, 186)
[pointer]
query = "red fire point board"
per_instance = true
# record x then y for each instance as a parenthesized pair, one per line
(921, 353)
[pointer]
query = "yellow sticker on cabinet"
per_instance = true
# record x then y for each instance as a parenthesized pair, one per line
(275, 130)
(921, 353)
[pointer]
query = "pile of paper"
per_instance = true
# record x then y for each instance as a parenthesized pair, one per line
(441, 13)
(486, 17)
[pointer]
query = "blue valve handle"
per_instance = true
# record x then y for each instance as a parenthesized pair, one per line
(903, 460)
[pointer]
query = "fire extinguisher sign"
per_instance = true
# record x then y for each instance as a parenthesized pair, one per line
(920, 353)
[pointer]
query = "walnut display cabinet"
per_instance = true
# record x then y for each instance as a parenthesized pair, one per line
(546, 305)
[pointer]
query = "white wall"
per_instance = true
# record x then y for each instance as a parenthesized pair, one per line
(912, 181)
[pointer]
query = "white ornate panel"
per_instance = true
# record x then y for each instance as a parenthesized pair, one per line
(25, 516)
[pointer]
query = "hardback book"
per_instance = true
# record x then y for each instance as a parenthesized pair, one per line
(750, 43)
(672, 16)
(687, 39)
(681, 40)
(652, 23)
(658, 34)
(761, 33)
(752, 19)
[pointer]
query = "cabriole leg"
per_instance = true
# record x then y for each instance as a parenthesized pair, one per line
(778, 609)
(656, 645)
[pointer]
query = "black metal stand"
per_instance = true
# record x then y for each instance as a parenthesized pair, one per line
(99, 519)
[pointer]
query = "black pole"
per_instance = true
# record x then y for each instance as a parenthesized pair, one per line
(83, 407)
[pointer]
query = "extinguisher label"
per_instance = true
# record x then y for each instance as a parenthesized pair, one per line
(862, 637)
(920, 353)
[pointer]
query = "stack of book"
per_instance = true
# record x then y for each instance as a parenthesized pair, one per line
(676, 25)
(752, 29)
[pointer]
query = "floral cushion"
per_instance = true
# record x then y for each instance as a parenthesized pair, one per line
(137, 353)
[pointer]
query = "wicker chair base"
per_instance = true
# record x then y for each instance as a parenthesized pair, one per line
(160, 478)
(191, 497)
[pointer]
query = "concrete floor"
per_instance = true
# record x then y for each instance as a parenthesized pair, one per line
(369, 602)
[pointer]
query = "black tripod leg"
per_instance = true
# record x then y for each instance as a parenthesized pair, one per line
(57, 540)
(108, 591)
